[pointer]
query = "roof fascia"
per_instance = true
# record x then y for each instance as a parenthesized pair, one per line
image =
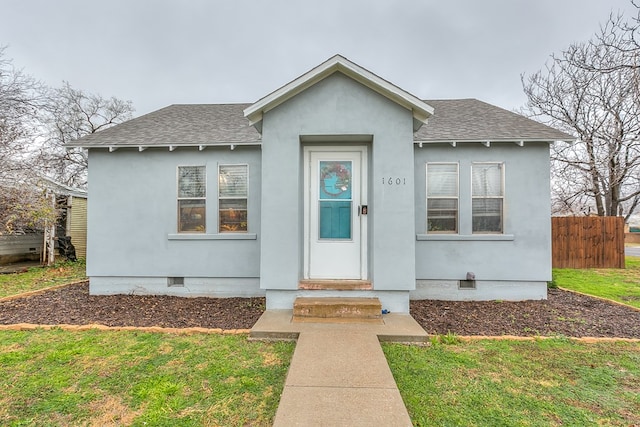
(518, 141)
(421, 110)
(142, 147)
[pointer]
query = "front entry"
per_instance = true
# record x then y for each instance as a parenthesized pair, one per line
(335, 221)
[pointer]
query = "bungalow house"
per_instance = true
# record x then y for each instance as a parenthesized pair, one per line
(337, 183)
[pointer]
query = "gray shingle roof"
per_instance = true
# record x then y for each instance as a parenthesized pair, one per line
(179, 124)
(473, 120)
(210, 124)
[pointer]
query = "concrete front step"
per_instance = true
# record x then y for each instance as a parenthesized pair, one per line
(335, 285)
(337, 310)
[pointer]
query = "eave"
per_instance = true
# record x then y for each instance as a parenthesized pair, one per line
(170, 147)
(520, 142)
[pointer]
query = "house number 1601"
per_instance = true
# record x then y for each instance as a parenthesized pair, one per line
(394, 181)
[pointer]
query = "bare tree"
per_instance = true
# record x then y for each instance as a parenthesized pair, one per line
(35, 123)
(73, 114)
(20, 100)
(592, 91)
(23, 207)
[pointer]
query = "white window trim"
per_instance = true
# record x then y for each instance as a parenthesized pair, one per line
(467, 237)
(178, 198)
(502, 197)
(222, 236)
(220, 232)
(457, 198)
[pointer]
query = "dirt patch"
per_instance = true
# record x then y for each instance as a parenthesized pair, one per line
(563, 313)
(111, 411)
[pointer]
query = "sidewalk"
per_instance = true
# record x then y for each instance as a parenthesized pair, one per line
(339, 375)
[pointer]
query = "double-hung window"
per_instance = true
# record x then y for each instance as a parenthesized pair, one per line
(192, 194)
(487, 197)
(442, 197)
(233, 190)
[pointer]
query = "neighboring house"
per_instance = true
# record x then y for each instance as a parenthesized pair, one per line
(29, 245)
(72, 205)
(21, 248)
(339, 179)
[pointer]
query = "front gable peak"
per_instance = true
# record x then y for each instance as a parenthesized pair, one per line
(421, 111)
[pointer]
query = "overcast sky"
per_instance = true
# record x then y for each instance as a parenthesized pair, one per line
(161, 52)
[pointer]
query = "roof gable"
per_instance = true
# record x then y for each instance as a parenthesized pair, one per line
(421, 110)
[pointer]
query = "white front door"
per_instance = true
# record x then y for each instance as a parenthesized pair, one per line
(335, 227)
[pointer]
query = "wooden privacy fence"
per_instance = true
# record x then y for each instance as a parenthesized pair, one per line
(587, 242)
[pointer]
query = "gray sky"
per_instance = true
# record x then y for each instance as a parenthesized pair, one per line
(161, 52)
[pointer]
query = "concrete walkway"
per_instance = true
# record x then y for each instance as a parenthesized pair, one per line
(339, 375)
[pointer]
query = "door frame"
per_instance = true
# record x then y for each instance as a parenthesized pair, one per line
(364, 181)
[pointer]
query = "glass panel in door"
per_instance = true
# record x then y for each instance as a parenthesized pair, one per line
(335, 202)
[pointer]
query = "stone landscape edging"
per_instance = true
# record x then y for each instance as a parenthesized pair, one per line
(600, 298)
(155, 329)
(197, 330)
(41, 291)
(586, 340)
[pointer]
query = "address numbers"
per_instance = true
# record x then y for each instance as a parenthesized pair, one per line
(394, 181)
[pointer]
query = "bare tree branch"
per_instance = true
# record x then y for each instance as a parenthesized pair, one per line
(35, 124)
(592, 90)
(73, 114)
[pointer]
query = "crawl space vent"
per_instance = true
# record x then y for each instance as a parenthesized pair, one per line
(175, 281)
(467, 284)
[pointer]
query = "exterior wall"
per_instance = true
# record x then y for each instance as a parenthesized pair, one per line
(133, 242)
(341, 111)
(17, 248)
(448, 290)
(514, 265)
(78, 225)
(193, 286)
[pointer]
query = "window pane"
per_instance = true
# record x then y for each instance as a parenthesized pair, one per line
(335, 179)
(191, 181)
(487, 180)
(191, 215)
(442, 215)
(233, 215)
(442, 180)
(232, 181)
(487, 215)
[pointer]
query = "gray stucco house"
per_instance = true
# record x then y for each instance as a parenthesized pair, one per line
(337, 183)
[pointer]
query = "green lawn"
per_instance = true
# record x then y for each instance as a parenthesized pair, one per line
(519, 383)
(57, 377)
(128, 378)
(132, 378)
(622, 285)
(42, 277)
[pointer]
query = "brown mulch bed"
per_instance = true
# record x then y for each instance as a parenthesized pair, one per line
(563, 313)
(73, 305)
